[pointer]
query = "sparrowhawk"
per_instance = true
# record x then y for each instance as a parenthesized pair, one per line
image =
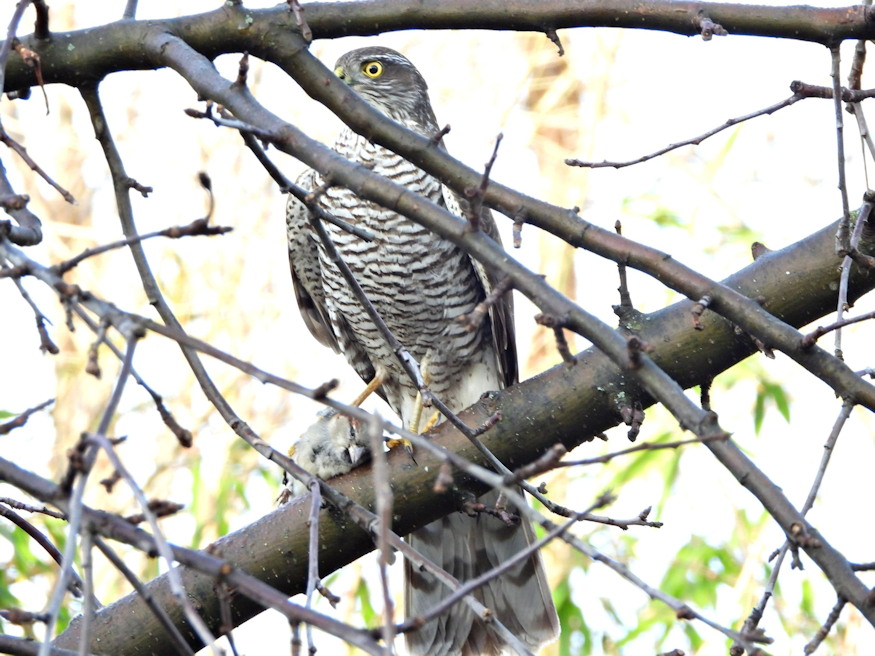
(420, 283)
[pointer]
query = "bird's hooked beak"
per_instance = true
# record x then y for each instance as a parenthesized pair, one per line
(356, 453)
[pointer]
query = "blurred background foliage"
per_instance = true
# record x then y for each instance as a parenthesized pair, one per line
(614, 95)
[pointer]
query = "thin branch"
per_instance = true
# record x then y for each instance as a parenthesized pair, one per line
(41, 24)
(625, 297)
(46, 343)
(22, 418)
(78, 476)
(20, 150)
(820, 331)
(644, 446)
(76, 585)
(89, 607)
(475, 194)
(843, 236)
(384, 503)
(752, 621)
(28, 232)
(694, 141)
(842, 303)
(198, 227)
(824, 630)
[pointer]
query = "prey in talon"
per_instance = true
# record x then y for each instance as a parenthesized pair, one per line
(332, 446)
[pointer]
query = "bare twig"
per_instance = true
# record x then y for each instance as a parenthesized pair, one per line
(554, 39)
(90, 606)
(824, 630)
(475, 317)
(28, 232)
(625, 297)
(384, 503)
(22, 418)
(694, 141)
(752, 621)
(19, 150)
(842, 302)
(557, 324)
(475, 195)
(298, 11)
(198, 227)
(644, 446)
(79, 477)
(313, 580)
(76, 585)
(843, 236)
(809, 339)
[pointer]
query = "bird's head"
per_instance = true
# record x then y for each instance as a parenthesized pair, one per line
(388, 82)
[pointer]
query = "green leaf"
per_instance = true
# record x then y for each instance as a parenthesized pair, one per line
(363, 595)
(807, 603)
(781, 400)
(693, 636)
(774, 392)
(759, 411)
(576, 636)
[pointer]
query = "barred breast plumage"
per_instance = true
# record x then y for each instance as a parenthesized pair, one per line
(420, 284)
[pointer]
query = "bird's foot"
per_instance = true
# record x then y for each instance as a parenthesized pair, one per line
(393, 442)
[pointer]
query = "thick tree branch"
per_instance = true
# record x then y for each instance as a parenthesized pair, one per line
(91, 54)
(564, 405)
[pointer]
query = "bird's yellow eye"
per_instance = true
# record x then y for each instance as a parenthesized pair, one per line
(372, 69)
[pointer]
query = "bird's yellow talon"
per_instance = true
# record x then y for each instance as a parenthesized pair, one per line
(392, 443)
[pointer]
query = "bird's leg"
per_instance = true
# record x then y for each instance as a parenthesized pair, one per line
(372, 387)
(417, 408)
(413, 426)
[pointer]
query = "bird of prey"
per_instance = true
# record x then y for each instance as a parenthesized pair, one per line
(420, 284)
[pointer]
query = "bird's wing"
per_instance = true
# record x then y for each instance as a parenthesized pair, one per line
(501, 313)
(306, 269)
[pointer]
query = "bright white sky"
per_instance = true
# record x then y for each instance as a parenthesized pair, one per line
(778, 179)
